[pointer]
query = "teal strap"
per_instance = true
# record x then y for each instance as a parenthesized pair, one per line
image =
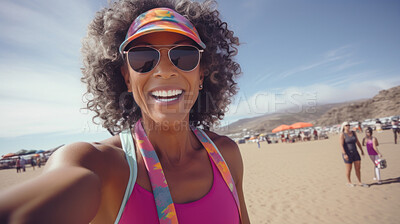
(129, 148)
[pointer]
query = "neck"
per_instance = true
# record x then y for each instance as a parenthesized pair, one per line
(173, 141)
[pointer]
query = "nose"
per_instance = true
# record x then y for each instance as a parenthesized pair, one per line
(164, 69)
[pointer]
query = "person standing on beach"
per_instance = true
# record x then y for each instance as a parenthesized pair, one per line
(151, 67)
(33, 162)
(373, 152)
(378, 126)
(349, 143)
(18, 164)
(23, 161)
(395, 129)
(38, 162)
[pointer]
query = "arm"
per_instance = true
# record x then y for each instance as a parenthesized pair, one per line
(341, 139)
(238, 175)
(68, 191)
(363, 142)
(231, 153)
(358, 143)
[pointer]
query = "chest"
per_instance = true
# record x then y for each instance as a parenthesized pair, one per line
(187, 183)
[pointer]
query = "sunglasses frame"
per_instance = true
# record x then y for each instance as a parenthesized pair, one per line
(161, 47)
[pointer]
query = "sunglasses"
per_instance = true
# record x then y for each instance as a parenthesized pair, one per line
(143, 59)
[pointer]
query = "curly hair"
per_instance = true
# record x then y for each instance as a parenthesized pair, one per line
(107, 92)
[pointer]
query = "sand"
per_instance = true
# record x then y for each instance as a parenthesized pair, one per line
(305, 183)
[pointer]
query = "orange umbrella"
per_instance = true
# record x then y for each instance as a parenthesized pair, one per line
(8, 155)
(281, 128)
(301, 125)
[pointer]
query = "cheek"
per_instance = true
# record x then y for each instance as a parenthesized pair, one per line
(137, 86)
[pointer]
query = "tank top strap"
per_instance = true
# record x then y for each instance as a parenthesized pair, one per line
(220, 163)
(129, 148)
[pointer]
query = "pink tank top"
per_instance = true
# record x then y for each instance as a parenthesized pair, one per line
(370, 148)
(217, 206)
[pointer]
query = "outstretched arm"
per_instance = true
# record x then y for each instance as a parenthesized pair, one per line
(68, 191)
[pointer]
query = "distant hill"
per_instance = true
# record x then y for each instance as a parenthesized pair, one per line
(385, 103)
(267, 122)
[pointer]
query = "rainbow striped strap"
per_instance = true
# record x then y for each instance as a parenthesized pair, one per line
(165, 206)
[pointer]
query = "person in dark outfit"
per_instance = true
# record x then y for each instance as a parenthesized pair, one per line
(348, 142)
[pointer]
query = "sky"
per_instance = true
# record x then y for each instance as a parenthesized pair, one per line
(294, 55)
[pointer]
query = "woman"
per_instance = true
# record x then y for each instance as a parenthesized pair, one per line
(154, 75)
(373, 152)
(395, 128)
(348, 141)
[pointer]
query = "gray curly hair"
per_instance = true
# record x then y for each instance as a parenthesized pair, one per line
(107, 92)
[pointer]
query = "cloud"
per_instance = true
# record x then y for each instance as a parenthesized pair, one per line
(40, 90)
(296, 99)
(328, 61)
(43, 31)
(32, 103)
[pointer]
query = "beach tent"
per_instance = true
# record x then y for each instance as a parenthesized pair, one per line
(281, 128)
(301, 125)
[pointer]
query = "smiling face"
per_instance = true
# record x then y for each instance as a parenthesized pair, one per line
(166, 93)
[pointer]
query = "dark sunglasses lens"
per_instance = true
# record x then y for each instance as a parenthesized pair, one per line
(185, 58)
(142, 59)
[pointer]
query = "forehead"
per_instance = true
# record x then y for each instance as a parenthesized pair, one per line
(162, 38)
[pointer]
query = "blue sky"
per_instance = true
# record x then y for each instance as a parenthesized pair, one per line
(293, 54)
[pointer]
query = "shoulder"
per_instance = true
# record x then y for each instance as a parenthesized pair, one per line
(231, 153)
(95, 156)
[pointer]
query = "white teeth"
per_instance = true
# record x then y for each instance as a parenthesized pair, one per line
(167, 100)
(169, 93)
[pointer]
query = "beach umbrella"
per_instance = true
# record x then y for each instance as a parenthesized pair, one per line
(21, 152)
(301, 125)
(281, 128)
(30, 151)
(8, 155)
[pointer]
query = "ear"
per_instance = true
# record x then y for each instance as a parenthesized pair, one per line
(201, 76)
(127, 77)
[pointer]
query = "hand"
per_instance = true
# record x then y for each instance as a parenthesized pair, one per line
(362, 153)
(380, 155)
(345, 156)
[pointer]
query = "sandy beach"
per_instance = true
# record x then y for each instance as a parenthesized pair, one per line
(305, 183)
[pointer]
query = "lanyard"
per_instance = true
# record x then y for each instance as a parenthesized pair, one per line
(165, 206)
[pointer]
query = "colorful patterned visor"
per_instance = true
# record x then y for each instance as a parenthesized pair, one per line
(161, 20)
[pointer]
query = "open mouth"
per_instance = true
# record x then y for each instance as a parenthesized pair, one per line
(167, 95)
